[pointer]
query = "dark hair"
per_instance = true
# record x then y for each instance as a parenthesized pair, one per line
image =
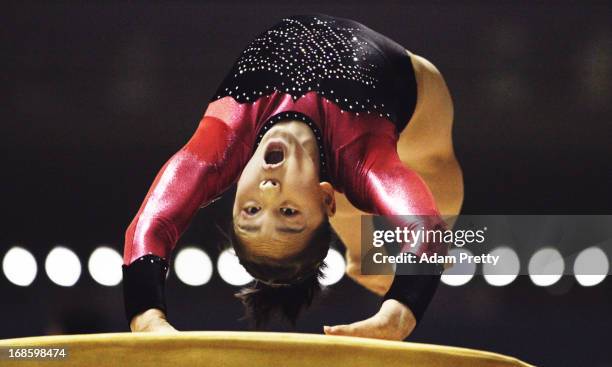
(283, 287)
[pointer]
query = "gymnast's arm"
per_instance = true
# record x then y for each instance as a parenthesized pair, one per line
(381, 184)
(190, 179)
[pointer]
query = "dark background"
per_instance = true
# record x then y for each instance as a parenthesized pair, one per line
(96, 96)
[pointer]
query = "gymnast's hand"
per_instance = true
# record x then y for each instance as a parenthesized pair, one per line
(394, 321)
(152, 320)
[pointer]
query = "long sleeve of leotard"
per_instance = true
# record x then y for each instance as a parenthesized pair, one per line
(202, 169)
(377, 181)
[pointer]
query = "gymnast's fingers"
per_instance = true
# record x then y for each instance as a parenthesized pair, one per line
(369, 328)
(160, 326)
(165, 329)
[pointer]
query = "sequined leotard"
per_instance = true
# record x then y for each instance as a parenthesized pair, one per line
(355, 88)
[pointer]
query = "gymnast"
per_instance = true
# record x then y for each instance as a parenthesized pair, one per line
(319, 121)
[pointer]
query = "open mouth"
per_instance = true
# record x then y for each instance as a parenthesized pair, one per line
(275, 154)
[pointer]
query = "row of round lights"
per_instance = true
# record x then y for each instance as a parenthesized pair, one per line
(192, 266)
(546, 267)
(195, 268)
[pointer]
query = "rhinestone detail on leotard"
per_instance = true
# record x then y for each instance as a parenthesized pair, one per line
(303, 54)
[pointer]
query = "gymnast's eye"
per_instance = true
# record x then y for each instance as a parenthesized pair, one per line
(288, 212)
(252, 210)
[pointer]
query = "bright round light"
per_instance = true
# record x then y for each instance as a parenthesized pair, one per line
(63, 266)
(230, 269)
(335, 267)
(591, 266)
(19, 266)
(506, 269)
(546, 267)
(193, 267)
(105, 266)
(459, 274)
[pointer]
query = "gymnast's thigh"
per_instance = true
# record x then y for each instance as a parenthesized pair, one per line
(425, 145)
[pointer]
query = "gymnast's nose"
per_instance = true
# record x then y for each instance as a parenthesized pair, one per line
(269, 186)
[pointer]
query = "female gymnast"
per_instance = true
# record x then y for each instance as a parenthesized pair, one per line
(320, 120)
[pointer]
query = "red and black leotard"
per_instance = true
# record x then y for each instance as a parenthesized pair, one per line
(353, 86)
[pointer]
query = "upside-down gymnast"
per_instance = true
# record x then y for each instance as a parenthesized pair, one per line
(320, 119)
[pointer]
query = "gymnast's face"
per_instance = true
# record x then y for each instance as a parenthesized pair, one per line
(279, 199)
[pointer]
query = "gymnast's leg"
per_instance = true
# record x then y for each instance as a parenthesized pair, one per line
(426, 144)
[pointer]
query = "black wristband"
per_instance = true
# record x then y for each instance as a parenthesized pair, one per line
(415, 291)
(144, 283)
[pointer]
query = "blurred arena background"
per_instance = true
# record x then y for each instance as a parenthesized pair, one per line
(98, 95)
